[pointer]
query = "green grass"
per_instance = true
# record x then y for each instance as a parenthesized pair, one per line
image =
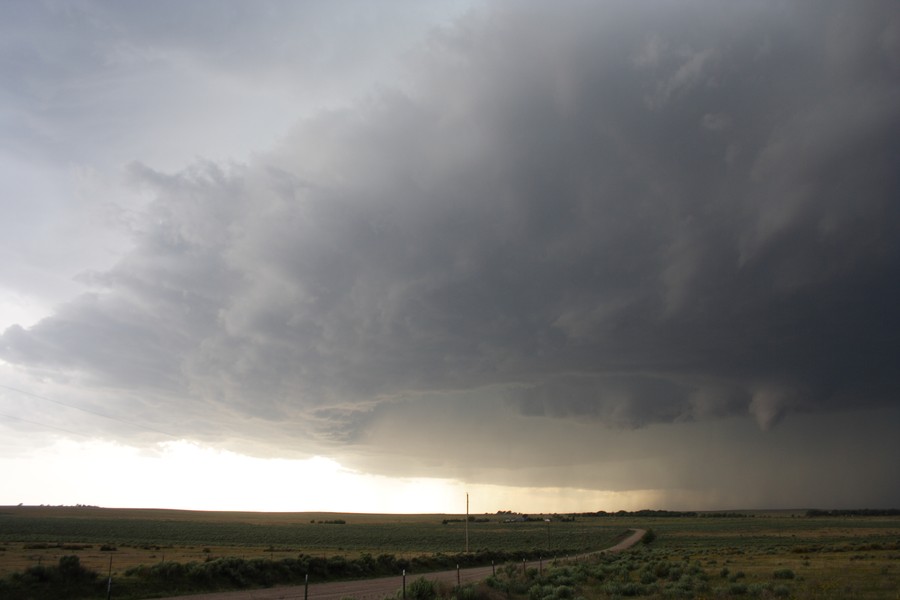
(32, 535)
(371, 537)
(298, 531)
(766, 555)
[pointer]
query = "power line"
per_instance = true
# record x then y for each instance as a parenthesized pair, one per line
(42, 424)
(91, 412)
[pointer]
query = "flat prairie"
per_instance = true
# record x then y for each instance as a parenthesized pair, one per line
(40, 535)
(748, 554)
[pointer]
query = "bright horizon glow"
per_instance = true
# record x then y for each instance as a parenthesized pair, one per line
(183, 475)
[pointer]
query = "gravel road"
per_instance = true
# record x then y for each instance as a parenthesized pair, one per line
(374, 589)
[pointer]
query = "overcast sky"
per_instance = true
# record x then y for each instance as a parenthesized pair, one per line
(580, 256)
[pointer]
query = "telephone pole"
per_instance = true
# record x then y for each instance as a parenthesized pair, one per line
(467, 522)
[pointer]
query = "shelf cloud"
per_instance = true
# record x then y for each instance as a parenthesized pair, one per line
(620, 227)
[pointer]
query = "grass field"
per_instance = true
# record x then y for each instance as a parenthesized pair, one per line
(765, 556)
(29, 535)
(761, 555)
(784, 555)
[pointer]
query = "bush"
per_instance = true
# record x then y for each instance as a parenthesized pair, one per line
(783, 574)
(421, 589)
(68, 579)
(70, 570)
(661, 569)
(632, 589)
(781, 591)
(538, 591)
(469, 592)
(738, 589)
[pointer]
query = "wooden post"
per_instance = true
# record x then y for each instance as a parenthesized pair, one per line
(306, 587)
(109, 580)
(404, 584)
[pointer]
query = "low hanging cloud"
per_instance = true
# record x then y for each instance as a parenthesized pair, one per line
(629, 214)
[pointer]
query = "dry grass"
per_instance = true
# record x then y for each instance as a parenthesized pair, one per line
(830, 558)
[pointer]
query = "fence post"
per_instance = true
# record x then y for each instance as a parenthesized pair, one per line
(306, 587)
(109, 580)
(404, 584)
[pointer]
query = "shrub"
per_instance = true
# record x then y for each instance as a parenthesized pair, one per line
(783, 574)
(467, 592)
(421, 589)
(538, 591)
(661, 569)
(738, 589)
(781, 591)
(613, 588)
(70, 569)
(632, 589)
(67, 579)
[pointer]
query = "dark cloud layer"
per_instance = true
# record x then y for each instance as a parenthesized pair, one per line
(622, 213)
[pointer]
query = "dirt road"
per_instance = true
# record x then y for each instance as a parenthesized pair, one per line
(376, 589)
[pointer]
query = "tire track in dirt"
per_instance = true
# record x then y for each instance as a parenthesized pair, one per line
(377, 589)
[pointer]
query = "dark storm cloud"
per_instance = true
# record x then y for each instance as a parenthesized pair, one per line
(629, 214)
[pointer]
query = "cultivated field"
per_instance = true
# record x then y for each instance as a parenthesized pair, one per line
(29, 535)
(757, 555)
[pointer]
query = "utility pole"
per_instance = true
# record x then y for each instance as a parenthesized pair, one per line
(548, 535)
(467, 522)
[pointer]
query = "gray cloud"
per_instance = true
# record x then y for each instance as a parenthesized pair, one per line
(624, 215)
(90, 85)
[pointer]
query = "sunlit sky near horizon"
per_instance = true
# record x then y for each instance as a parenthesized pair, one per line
(371, 257)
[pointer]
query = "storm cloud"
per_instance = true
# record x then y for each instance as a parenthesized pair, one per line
(607, 218)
